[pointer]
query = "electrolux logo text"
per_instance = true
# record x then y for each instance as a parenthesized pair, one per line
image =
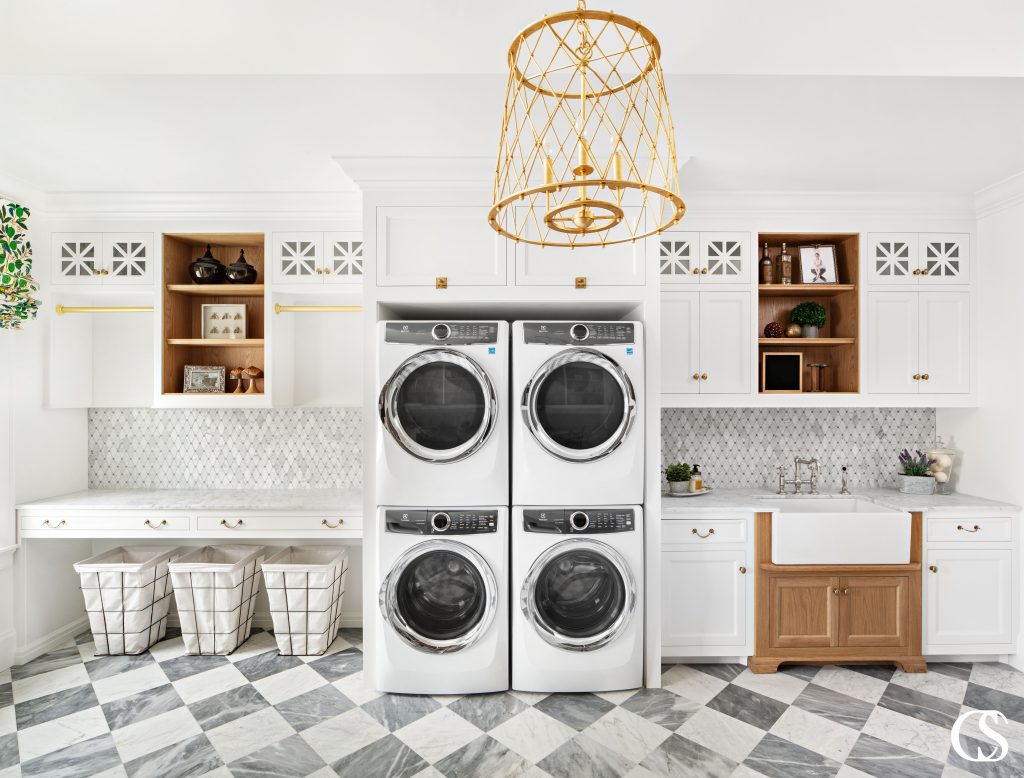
(985, 719)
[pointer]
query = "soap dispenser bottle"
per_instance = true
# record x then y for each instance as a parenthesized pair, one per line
(696, 479)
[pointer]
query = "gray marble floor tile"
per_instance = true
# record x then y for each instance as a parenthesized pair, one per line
(682, 757)
(727, 672)
(55, 660)
(925, 707)
(307, 710)
(184, 666)
(227, 706)
(984, 698)
(834, 706)
(53, 706)
(335, 666)
(658, 705)
(8, 750)
(484, 757)
(107, 666)
(885, 760)
(487, 711)
(83, 637)
(288, 758)
(959, 670)
(141, 706)
(1010, 766)
(394, 711)
(389, 757)
(881, 672)
(779, 758)
(748, 706)
(584, 753)
(193, 756)
(579, 711)
(353, 636)
(803, 672)
(6, 694)
(82, 759)
(262, 665)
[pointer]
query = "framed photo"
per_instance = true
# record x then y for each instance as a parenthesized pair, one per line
(818, 265)
(224, 321)
(204, 379)
(782, 372)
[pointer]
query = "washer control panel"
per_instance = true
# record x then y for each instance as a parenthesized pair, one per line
(452, 333)
(579, 521)
(441, 521)
(576, 333)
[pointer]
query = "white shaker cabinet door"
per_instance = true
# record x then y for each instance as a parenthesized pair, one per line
(680, 342)
(892, 347)
(704, 598)
(893, 258)
(678, 257)
(298, 258)
(725, 342)
(76, 258)
(945, 342)
(725, 258)
(969, 594)
(944, 258)
(128, 258)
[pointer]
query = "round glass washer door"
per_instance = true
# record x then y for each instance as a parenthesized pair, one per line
(580, 405)
(439, 406)
(440, 596)
(579, 595)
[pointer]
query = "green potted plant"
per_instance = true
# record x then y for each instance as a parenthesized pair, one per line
(678, 477)
(810, 316)
(916, 476)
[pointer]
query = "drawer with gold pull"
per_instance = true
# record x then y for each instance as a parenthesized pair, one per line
(106, 523)
(246, 523)
(703, 531)
(992, 529)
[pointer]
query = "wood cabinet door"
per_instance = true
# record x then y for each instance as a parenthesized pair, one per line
(680, 342)
(893, 258)
(968, 597)
(704, 598)
(945, 342)
(725, 342)
(944, 258)
(725, 258)
(892, 348)
(678, 257)
(874, 611)
(803, 611)
(298, 258)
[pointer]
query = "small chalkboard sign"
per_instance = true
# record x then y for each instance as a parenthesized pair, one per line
(782, 372)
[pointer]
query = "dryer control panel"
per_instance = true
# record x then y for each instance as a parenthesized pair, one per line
(579, 521)
(441, 521)
(570, 333)
(451, 333)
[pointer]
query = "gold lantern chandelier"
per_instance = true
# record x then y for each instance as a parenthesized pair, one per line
(587, 154)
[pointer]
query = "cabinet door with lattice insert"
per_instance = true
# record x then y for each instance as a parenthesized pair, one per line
(128, 258)
(678, 257)
(945, 258)
(893, 258)
(343, 258)
(77, 258)
(725, 258)
(298, 257)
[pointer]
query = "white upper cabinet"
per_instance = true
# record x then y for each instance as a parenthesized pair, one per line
(298, 257)
(438, 246)
(128, 258)
(918, 258)
(706, 342)
(680, 342)
(77, 257)
(621, 264)
(892, 347)
(678, 257)
(95, 258)
(945, 342)
(343, 258)
(705, 257)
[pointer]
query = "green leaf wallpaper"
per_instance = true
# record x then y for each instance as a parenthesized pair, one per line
(17, 305)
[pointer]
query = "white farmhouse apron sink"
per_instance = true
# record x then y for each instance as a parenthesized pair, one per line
(838, 531)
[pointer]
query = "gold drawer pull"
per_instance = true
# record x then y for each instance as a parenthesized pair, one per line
(151, 525)
(933, 568)
(962, 528)
(46, 523)
(224, 523)
(697, 532)
(743, 570)
(332, 526)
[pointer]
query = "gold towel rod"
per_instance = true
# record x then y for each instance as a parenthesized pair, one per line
(62, 309)
(278, 308)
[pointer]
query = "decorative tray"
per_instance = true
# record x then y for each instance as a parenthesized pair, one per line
(686, 494)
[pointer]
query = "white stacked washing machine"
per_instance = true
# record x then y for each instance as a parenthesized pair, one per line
(577, 522)
(442, 492)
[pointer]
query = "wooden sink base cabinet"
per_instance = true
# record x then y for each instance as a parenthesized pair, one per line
(836, 614)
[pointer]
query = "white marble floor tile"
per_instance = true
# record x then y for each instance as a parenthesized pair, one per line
(628, 734)
(617, 697)
(339, 644)
(742, 771)
(533, 734)
(815, 733)
(778, 686)
(851, 683)
(728, 736)
(289, 683)
(356, 688)
(438, 734)
(48, 683)
(168, 649)
(113, 772)
(426, 772)
(1012, 730)
(530, 698)
(254, 646)
(250, 733)
(8, 722)
(344, 734)
(998, 676)
(936, 684)
(145, 737)
(949, 771)
(61, 733)
(11, 772)
(206, 684)
(87, 651)
(224, 772)
(909, 733)
(852, 772)
(693, 684)
(641, 772)
(134, 681)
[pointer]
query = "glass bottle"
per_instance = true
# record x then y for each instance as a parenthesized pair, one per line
(767, 269)
(944, 458)
(785, 267)
(696, 479)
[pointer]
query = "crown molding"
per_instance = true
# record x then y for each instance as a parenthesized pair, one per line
(418, 173)
(319, 205)
(1000, 195)
(706, 203)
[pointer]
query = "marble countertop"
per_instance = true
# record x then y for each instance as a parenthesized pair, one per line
(204, 500)
(748, 500)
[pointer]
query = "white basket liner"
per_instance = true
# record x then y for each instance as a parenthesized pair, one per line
(215, 590)
(127, 593)
(305, 586)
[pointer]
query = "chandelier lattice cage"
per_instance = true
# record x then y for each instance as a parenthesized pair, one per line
(587, 154)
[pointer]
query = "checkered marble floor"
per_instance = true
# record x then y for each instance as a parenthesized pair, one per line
(256, 713)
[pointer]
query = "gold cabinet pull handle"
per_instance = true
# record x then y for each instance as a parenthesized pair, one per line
(933, 568)
(46, 523)
(332, 526)
(743, 570)
(703, 376)
(224, 523)
(698, 533)
(962, 528)
(151, 525)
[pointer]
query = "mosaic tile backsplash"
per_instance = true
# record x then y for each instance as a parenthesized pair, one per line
(740, 447)
(274, 448)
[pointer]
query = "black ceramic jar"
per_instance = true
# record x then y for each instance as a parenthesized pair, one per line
(240, 271)
(207, 269)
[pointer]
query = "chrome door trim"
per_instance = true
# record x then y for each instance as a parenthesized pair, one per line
(566, 357)
(387, 406)
(550, 635)
(387, 598)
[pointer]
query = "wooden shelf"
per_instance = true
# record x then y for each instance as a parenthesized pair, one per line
(804, 290)
(217, 342)
(212, 394)
(798, 342)
(218, 290)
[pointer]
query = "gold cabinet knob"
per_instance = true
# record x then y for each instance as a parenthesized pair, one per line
(917, 376)
(327, 271)
(319, 271)
(703, 376)
(933, 568)
(332, 526)
(835, 592)
(151, 525)
(224, 523)
(743, 570)
(104, 271)
(924, 377)
(696, 271)
(703, 271)
(696, 376)
(846, 591)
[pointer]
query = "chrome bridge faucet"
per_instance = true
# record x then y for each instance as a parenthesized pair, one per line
(798, 481)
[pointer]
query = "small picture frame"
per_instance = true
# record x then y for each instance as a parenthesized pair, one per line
(204, 379)
(782, 372)
(224, 321)
(818, 265)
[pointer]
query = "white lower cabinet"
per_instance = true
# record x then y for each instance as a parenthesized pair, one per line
(704, 600)
(969, 599)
